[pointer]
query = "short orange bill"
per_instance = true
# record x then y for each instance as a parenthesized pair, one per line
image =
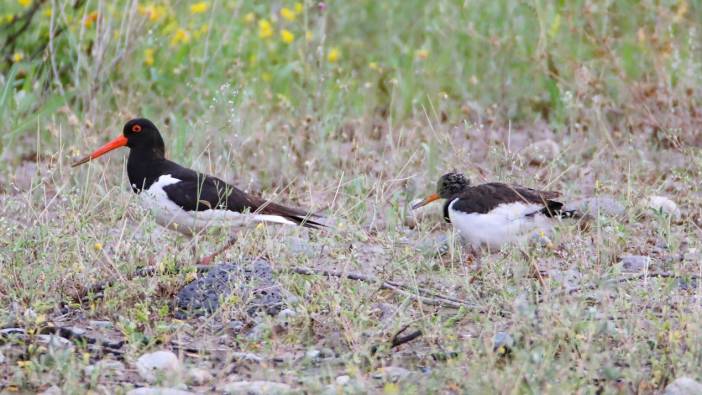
(120, 141)
(426, 201)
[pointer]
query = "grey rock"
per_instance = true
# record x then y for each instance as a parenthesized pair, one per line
(569, 279)
(253, 283)
(159, 391)
(157, 364)
(53, 390)
(100, 324)
(343, 380)
(597, 205)
(55, 341)
(540, 152)
(313, 353)
(255, 388)
(683, 386)
(105, 366)
(246, 357)
(197, 376)
(236, 326)
(635, 263)
(662, 204)
(392, 373)
(502, 343)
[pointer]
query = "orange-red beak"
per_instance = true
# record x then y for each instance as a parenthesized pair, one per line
(426, 201)
(120, 141)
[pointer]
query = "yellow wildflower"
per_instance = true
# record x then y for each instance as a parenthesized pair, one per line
(422, 54)
(9, 18)
(17, 57)
(153, 12)
(265, 29)
(199, 8)
(287, 14)
(97, 246)
(249, 18)
(149, 56)
(48, 12)
(181, 36)
(287, 36)
(373, 66)
(298, 8)
(25, 3)
(333, 55)
(309, 36)
(90, 19)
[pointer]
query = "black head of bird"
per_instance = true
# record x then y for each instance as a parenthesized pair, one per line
(138, 134)
(449, 185)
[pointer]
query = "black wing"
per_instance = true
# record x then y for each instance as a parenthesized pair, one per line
(200, 192)
(483, 198)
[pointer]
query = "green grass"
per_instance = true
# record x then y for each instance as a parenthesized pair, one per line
(419, 88)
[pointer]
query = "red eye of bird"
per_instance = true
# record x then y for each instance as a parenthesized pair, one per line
(136, 128)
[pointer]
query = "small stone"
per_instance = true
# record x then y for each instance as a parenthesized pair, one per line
(100, 324)
(255, 388)
(246, 357)
(55, 341)
(53, 390)
(159, 391)
(502, 343)
(2, 358)
(313, 353)
(664, 205)
(106, 367)
(155, 364)
(197, 376)
(392, 373)
(540, 152)
(236, 326)
(683, 386)
(343, 380)
(635, 263)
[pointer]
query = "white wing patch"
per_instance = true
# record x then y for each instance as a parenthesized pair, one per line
(503, 224)
(172, 216)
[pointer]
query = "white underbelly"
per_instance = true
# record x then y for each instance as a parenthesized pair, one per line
(504, 224)
(170, 215)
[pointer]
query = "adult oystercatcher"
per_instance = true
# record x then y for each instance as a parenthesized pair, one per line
(185, 200)
(494, 214)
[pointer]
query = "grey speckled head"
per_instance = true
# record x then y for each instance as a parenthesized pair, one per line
(451, 184)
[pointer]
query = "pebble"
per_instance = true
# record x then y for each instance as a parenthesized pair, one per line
(100, 324)
(313, 353)
(664, 205)
(158, 391)
(155, 364)
(246, 357)
(540, 152)
(392, 373)
(197, 376)
(635, 263)
(105, 366)
(502, 343)
(53, 390)
(255, 388)
(683, 386)
(343, 379)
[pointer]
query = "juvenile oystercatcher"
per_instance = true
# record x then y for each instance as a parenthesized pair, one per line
(185, 200)
(494, 214)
